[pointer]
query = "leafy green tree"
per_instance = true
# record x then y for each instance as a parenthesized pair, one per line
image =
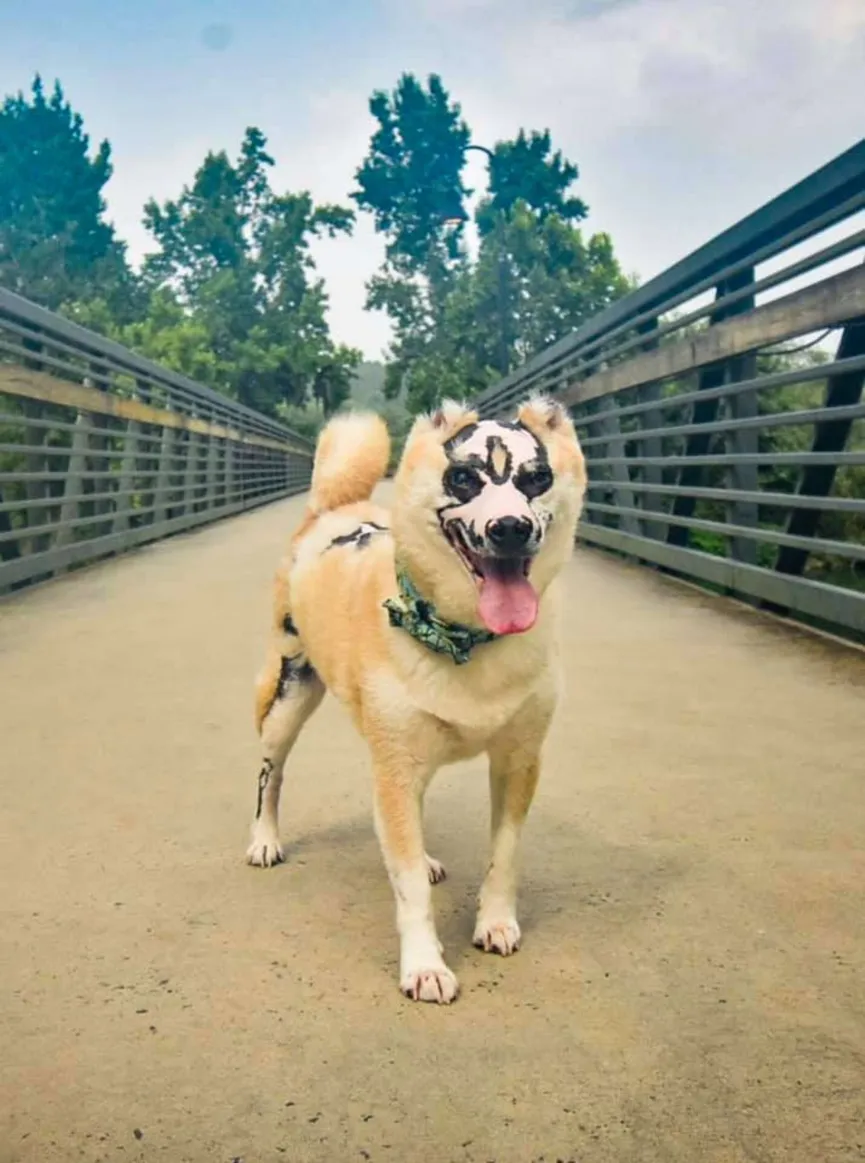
(411, 183)
(554, 281)
(168, 334)
(411, 178)
(55, 244)
(526, 171)
(457, 324)
(236, 256)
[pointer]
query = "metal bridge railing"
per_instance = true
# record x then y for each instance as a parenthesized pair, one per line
(715, 450)
(102, 450)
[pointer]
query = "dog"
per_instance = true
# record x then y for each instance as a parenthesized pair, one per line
(435, 624)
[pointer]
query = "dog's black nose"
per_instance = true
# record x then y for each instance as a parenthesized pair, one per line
(509, 534)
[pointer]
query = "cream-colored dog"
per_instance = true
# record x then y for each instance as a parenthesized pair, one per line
(435, 625)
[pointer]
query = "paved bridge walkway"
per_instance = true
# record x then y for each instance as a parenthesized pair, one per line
(691, 986)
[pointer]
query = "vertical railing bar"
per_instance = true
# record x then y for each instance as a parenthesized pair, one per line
(829, 436)
(74, 483)
(163, 475)
(705, 411)
(128, 471)
(651, 445)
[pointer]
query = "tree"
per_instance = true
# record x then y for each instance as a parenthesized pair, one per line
(54, 242)
(410, 181)
(411, 178)
(168, 334)
(526, 170)
(554, 280)
(235, 256)
(457, 324)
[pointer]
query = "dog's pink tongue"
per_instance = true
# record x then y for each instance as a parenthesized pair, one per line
(508, 604)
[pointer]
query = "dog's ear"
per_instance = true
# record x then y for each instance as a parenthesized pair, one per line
(449, 418)
(543, 415)
(552, 424)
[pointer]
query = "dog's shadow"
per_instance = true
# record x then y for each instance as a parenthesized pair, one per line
(573, 881)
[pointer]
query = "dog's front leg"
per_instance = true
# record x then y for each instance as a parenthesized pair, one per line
(400, 782)
(515, 764)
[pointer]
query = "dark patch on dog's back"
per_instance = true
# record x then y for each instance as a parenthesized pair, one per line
(359, 537)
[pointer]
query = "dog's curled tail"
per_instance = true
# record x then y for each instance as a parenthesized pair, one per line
(351, 457)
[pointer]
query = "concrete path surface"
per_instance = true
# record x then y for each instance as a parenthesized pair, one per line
(691, 986)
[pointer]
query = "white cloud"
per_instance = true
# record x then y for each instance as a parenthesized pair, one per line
(683, 114)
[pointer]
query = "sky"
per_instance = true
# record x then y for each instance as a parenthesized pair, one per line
(682, 115)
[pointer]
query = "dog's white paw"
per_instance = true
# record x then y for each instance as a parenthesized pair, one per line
(497, 935)
(436, 870)
(265, 850)
(436, 984)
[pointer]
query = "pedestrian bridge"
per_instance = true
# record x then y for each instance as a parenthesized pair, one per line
(690, 985)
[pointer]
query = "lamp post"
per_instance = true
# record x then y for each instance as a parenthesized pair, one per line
(502, 273)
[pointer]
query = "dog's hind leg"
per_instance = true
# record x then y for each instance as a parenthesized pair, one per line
(288, 690)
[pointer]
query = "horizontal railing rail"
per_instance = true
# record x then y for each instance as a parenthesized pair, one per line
(102, 450)
(720, 407)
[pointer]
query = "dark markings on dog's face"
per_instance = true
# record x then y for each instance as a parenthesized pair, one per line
(288, 625)
(498, 464)
(534, 479)
(459, 438)
(500, 460)
(360, 537)
(502, 455)
(462, 481)
(263, 780)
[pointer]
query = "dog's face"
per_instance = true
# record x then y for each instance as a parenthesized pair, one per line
(487, 509)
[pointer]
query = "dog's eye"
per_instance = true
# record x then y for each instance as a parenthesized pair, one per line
(462, 482)
(532, 482)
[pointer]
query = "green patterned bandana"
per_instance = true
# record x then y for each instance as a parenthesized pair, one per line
(417, 617)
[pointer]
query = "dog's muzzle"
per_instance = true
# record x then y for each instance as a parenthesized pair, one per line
(511, 536)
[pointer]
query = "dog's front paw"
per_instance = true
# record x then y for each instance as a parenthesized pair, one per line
(437, 984)
(435, 870)
(497, 935)
(265, 850)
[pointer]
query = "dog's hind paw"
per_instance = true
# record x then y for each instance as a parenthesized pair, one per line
(498, 936)
(436, 870)
(437, 985)
(264, 852)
